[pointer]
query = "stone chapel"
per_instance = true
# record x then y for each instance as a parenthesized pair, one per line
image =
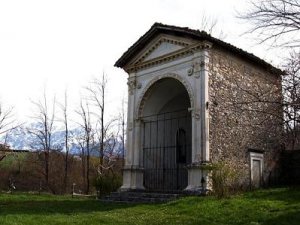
(193, 101)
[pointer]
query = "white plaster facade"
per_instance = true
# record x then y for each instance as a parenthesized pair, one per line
(185, 61)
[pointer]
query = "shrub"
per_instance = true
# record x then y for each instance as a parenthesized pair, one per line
(107, 183)
(226, 180)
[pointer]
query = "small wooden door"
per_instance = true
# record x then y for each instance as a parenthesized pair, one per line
(256, 173)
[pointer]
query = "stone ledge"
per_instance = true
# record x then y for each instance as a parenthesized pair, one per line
(133, 167)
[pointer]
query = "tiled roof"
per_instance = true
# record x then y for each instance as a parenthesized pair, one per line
(158, 28)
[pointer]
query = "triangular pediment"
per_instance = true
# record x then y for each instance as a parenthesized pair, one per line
(160, 47)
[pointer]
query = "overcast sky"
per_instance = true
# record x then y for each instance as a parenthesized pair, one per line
(61, 44)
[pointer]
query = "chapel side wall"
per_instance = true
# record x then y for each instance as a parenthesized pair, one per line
(238, 120)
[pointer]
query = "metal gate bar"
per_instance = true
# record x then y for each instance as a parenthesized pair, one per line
(163, 170)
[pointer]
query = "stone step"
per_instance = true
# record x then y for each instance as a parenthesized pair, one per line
(145, 194)
(140, 197)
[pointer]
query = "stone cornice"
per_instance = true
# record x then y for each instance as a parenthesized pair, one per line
(189, 50)
(162, 39)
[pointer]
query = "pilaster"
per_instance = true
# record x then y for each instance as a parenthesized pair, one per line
(132, 171)
(198, 178)
(205, 103)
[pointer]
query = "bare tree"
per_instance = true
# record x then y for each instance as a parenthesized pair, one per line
(80, 141)
(64, 108)
(291, 103)
(44, 126)
(97, 91)
(277, 21)
(85, 124)
(106, 130)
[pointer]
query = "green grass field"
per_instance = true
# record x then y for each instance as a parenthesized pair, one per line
(274, 206)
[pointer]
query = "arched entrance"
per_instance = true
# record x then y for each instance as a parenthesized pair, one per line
(166, 136)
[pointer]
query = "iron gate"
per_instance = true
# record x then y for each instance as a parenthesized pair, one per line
(166, 150)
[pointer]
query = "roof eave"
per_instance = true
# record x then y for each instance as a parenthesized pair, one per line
(194, 34)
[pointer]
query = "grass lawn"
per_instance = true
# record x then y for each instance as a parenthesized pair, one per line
(274, 206)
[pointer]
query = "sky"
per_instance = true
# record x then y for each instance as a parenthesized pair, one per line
(62, 44)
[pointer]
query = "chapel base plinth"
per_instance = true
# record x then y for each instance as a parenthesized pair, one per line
(198, 179)
(133, 177)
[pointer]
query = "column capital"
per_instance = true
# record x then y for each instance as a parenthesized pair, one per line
(131, 85)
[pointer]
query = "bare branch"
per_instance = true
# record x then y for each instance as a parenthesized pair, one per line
(210, 25)
(276, 21)
(7, 119)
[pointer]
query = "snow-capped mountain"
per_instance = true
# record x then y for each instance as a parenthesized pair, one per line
(25, 138)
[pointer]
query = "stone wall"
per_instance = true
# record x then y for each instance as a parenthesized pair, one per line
(245, 113)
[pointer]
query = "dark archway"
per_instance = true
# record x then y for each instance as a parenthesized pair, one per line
(166, 136)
